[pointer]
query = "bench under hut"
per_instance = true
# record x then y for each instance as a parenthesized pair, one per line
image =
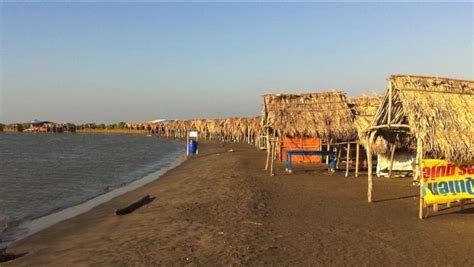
(431, 116)
(324, 115)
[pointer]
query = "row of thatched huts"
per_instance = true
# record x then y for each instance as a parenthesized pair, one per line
(438, 111)
(427, 117)
(231, 129)
(356, 128)
(336, 120)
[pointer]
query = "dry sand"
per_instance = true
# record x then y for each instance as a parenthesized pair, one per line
(223, 209)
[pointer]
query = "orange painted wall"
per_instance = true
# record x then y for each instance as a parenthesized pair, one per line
(297, 143)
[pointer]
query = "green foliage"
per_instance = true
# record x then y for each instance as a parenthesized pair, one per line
(121, 125)
(111, 126)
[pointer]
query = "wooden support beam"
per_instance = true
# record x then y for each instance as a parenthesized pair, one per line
(369, 170)
(327, 149)
(268, 149)
(338, 159)
(419, 153)
(357, 160)
(393, 126)
(348, 154)
(273, 145)
(392, 154)
(435, 207)
(389, 119)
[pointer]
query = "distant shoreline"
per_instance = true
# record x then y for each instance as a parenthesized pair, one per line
(88, 131)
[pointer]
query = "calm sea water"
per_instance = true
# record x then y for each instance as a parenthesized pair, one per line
(42, 173)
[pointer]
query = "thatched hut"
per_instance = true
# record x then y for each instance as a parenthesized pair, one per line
(324, 115)
(431, 116)
(363, 109)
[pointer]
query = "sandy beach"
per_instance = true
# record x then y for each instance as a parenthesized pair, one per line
(222, 208)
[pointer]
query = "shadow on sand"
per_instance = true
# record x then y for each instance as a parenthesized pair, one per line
(395, 198)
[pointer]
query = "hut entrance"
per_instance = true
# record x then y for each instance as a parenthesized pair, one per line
(301, 143)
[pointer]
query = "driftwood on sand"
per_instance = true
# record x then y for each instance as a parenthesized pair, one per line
(135, 205)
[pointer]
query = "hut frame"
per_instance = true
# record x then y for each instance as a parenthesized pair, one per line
(403, 120)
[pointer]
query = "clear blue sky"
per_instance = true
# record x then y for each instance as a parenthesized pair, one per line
(108, 62)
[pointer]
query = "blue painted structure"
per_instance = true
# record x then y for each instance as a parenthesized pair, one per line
(290, 153)
(192, 148)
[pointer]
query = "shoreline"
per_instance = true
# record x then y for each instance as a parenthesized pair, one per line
(30, 226)
(222, 208)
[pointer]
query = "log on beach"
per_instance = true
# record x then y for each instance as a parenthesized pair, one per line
(4, 256)
(132, 207)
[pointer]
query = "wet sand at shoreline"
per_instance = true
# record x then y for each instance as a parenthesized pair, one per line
(223, 209)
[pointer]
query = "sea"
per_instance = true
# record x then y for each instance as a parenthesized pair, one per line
(48, 175)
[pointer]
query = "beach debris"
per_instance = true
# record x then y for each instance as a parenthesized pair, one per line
(4, 256)
(254, 223)
(132, 207)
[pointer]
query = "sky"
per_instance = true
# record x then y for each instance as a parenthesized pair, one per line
(110, 62)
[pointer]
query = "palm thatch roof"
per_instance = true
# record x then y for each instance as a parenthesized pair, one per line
(325, 115)
(438, 111)
(364, 109)
(234, 127)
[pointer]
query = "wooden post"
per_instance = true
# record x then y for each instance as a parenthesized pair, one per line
(419, 153)
(273, 145)
(392, 154)
(268, 149)
(369, 170)
(357, 159)
(339, 152)
(248, 135)
(348, 153)
(389, 103)
(327, 149)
